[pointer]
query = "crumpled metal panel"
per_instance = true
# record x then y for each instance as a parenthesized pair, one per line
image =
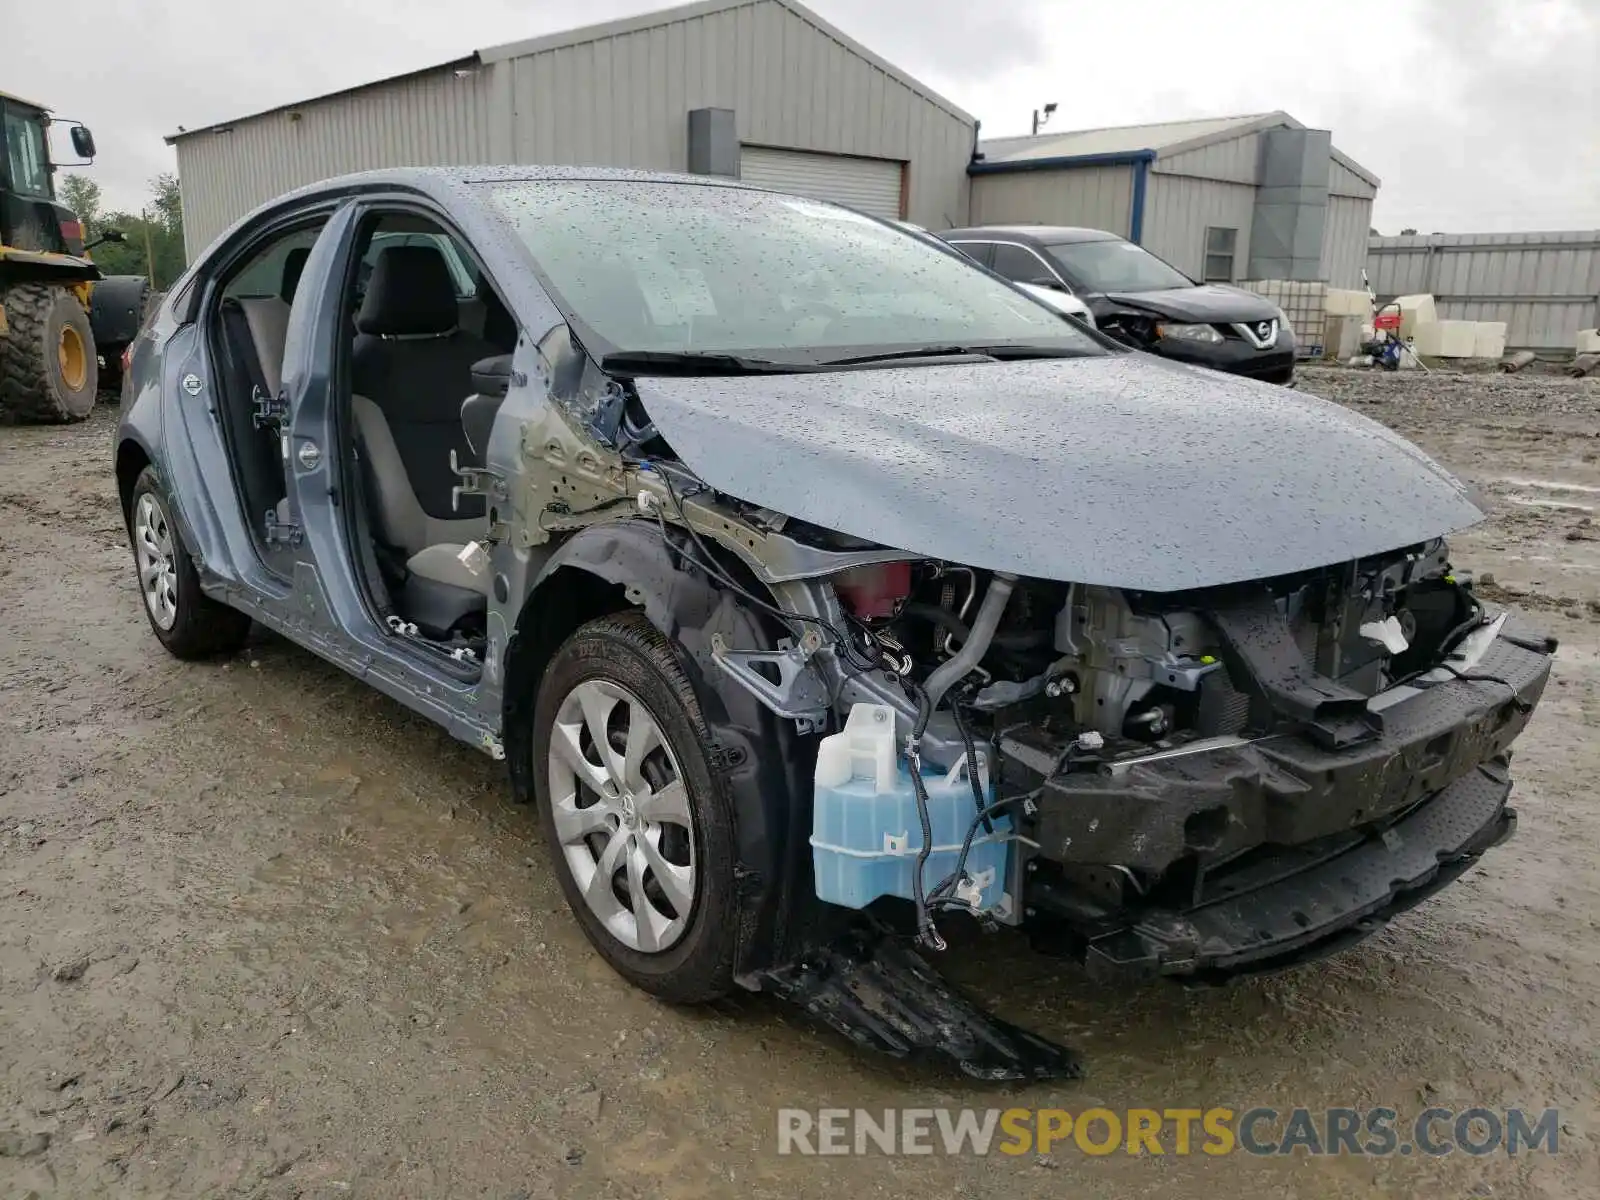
(1125, 470)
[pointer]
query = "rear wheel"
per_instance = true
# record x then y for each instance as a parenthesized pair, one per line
(640, 828)
(48, 369)
(188, 622)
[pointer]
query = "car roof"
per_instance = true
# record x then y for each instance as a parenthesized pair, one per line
(443, 183)
(453, 185)
(1047, 234)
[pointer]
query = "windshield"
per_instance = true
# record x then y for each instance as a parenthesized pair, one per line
(670, 268)
(1114, 265)
(23, 138)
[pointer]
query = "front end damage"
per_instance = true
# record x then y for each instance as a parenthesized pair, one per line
(1194, 785)
(1197, 777)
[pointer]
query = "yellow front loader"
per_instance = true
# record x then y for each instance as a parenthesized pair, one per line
(53, 299)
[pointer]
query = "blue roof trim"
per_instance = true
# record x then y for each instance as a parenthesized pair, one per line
(1115, 158)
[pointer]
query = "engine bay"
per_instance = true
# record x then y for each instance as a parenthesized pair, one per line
(1124, 754)
(1128, 672)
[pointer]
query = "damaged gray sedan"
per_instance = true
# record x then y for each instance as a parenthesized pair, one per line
(823, 591)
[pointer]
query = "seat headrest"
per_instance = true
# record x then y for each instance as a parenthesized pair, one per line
(294, 265)
(410, 294)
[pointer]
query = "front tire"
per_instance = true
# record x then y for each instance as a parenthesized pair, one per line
(188, 622)
(48, 368)
(640, 829)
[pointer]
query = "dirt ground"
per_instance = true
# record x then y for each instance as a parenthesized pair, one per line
(264, 933)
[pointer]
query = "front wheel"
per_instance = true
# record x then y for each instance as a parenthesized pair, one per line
(48, 368)
(640, 828)
(188, 622)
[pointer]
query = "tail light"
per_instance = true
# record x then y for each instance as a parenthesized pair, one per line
(127, 358)
(72, 231)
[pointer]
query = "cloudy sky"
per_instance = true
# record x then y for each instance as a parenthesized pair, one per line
(1477, 114)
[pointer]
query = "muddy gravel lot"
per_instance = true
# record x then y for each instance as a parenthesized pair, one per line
(264, 933)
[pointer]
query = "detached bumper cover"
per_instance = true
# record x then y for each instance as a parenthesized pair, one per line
(1327, 907)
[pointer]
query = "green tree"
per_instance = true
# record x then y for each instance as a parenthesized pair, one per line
(167, 202)
(153, 238)
(82, 195)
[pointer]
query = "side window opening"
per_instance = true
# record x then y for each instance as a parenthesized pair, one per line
(248, 325)
(1019, 264)
(275, 269)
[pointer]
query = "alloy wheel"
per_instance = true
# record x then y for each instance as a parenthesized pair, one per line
(158, 574)
(622, 815)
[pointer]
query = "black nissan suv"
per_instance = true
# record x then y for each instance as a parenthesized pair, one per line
(1141, 299)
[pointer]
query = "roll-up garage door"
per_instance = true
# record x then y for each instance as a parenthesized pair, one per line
(872, 185)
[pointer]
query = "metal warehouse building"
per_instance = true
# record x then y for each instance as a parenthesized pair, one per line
(1224, 200)
(764, 89)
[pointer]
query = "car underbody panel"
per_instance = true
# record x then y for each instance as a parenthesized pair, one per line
(883, 996)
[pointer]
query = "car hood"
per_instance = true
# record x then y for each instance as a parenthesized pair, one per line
(1206, 304)
(1123, 470)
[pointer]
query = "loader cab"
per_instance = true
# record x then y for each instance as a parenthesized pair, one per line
(29, 215)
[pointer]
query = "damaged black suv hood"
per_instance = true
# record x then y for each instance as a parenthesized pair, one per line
(1122, 470)
(1206, 305)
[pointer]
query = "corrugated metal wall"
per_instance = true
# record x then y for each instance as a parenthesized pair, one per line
(1209, 185)
(1545, 286)
(1342, 181)
(1344, 240)
(1236, 160)
(1179, 208)
(623, 100)
(433, 118)
(1349, 222)
(1094, 197)
(620, 99)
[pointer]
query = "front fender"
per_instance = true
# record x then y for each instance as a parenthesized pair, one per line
(763, 762)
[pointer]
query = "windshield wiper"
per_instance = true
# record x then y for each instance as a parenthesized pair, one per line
(1002, 351)
(695, 362)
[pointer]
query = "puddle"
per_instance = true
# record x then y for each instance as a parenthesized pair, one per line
(1551, 485)
(1559, 505)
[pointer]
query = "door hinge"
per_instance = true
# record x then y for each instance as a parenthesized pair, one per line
(270, 410)
(476, 481)
(280, 533)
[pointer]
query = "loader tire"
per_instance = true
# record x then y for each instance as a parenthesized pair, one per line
(48, 371)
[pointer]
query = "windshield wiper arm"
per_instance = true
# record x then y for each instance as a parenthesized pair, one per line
(1000, 350)
(695, 362)
(919, 352)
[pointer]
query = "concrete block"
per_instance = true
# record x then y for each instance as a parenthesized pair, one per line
(1348, 302)
(1416, 310)
(1458, 339)
(1489, 340)
(1341, 336)
(1588, 341)
(1445, 339)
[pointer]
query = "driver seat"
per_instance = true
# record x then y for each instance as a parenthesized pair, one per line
(411, 368)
